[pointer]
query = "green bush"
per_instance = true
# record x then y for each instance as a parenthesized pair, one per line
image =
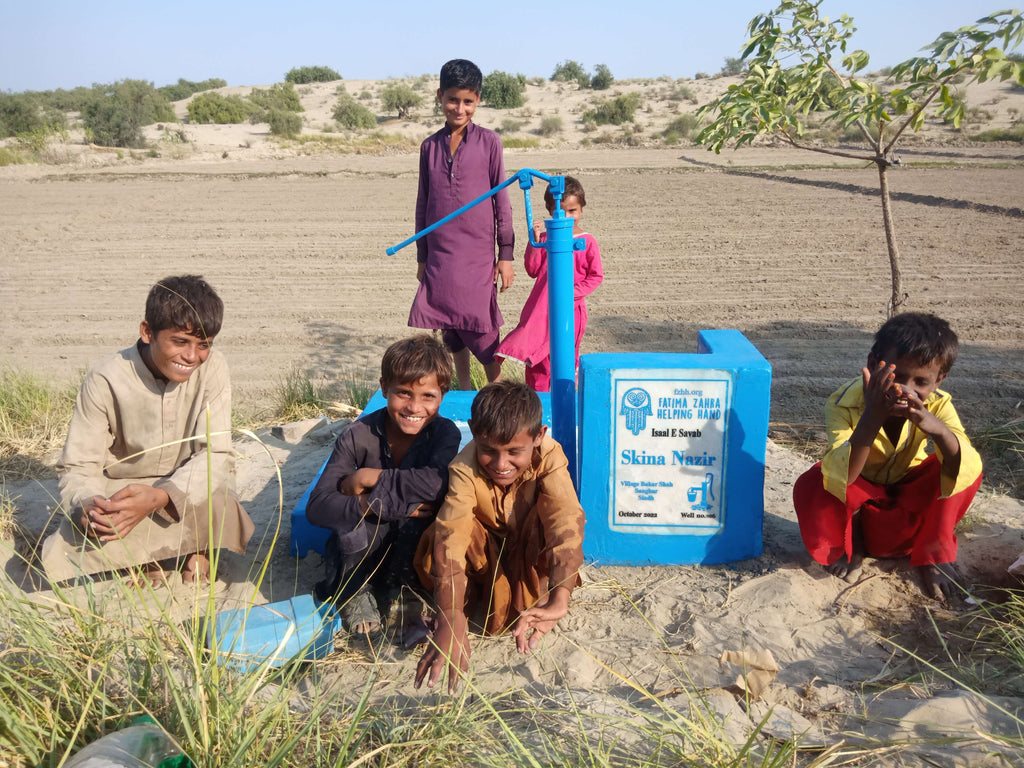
(571, 71)
(216, 108)
(352, 115)
(35, 141)
(683, 127)
(302, 75)
(510, 126)
(27, 112)
(10, 157)
(681, 92)
(284, 123)
(186, 88)
(550, 125)
(602, 79)
(68, 101)
(1016, 133)
(615, 111)
(280, 96)
(503, 91)
(399, 98)
(520, 142)
(116, 114)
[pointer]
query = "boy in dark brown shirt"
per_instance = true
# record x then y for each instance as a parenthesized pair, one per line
(384, 482)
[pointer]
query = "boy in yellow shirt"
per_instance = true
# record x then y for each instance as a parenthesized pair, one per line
(878, 491)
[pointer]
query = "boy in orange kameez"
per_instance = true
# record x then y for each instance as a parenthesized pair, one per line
(511, 526)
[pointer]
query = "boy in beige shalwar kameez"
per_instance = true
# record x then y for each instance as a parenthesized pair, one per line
(133, 473)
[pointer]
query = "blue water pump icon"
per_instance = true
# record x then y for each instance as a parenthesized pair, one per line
(704, 491)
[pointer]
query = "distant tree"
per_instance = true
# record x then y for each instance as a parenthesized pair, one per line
(350, 114)
(217, 108)
(116, 114)
(571, 72)
(302, 75)
(776, 98)
(399, 98)
(186, 88)
(503, 91)
(732, 66)
(602, 79)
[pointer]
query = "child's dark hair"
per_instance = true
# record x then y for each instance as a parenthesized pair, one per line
(572, 187)
(413, 358)
(462, 73)
(920, 336)
(502, 410)
(187, 303)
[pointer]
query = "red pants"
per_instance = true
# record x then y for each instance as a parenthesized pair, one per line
(904, 518)
(538, 377)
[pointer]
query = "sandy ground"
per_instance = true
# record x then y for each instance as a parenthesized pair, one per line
(785, 246)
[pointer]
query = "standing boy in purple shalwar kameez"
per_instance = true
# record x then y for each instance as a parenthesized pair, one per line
(456, 266)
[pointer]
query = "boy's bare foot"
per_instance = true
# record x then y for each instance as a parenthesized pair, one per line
(940, 581)
(197, 568)
(848, 570)
(148, 575)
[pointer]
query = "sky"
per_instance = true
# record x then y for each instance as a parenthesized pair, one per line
(62, 44)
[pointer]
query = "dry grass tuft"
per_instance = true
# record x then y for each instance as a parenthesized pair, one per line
(34, 416)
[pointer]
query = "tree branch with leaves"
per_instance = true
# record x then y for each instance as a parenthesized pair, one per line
(797, 65)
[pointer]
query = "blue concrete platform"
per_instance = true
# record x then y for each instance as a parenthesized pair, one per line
(672, 453)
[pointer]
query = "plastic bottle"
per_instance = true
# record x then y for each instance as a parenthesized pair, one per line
(145, 745)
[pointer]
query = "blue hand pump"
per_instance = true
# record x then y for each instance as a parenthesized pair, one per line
(561, 312)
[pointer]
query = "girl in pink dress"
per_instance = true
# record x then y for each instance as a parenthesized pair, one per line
(529, 342)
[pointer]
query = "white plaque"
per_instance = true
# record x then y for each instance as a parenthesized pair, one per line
(668, 451)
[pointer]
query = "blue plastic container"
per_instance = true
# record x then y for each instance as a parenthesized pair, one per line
(276, 632)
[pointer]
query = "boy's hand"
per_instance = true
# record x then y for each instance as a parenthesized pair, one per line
(360, 481)
(114, 518)
(538, 228)
(910, 406)
(448, 647)
(426, 509)
(880, 391)
(537, 621)
(87, 512)
(421, 267)
(504, 270)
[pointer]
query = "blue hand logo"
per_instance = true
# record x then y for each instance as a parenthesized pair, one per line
(636, 407)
